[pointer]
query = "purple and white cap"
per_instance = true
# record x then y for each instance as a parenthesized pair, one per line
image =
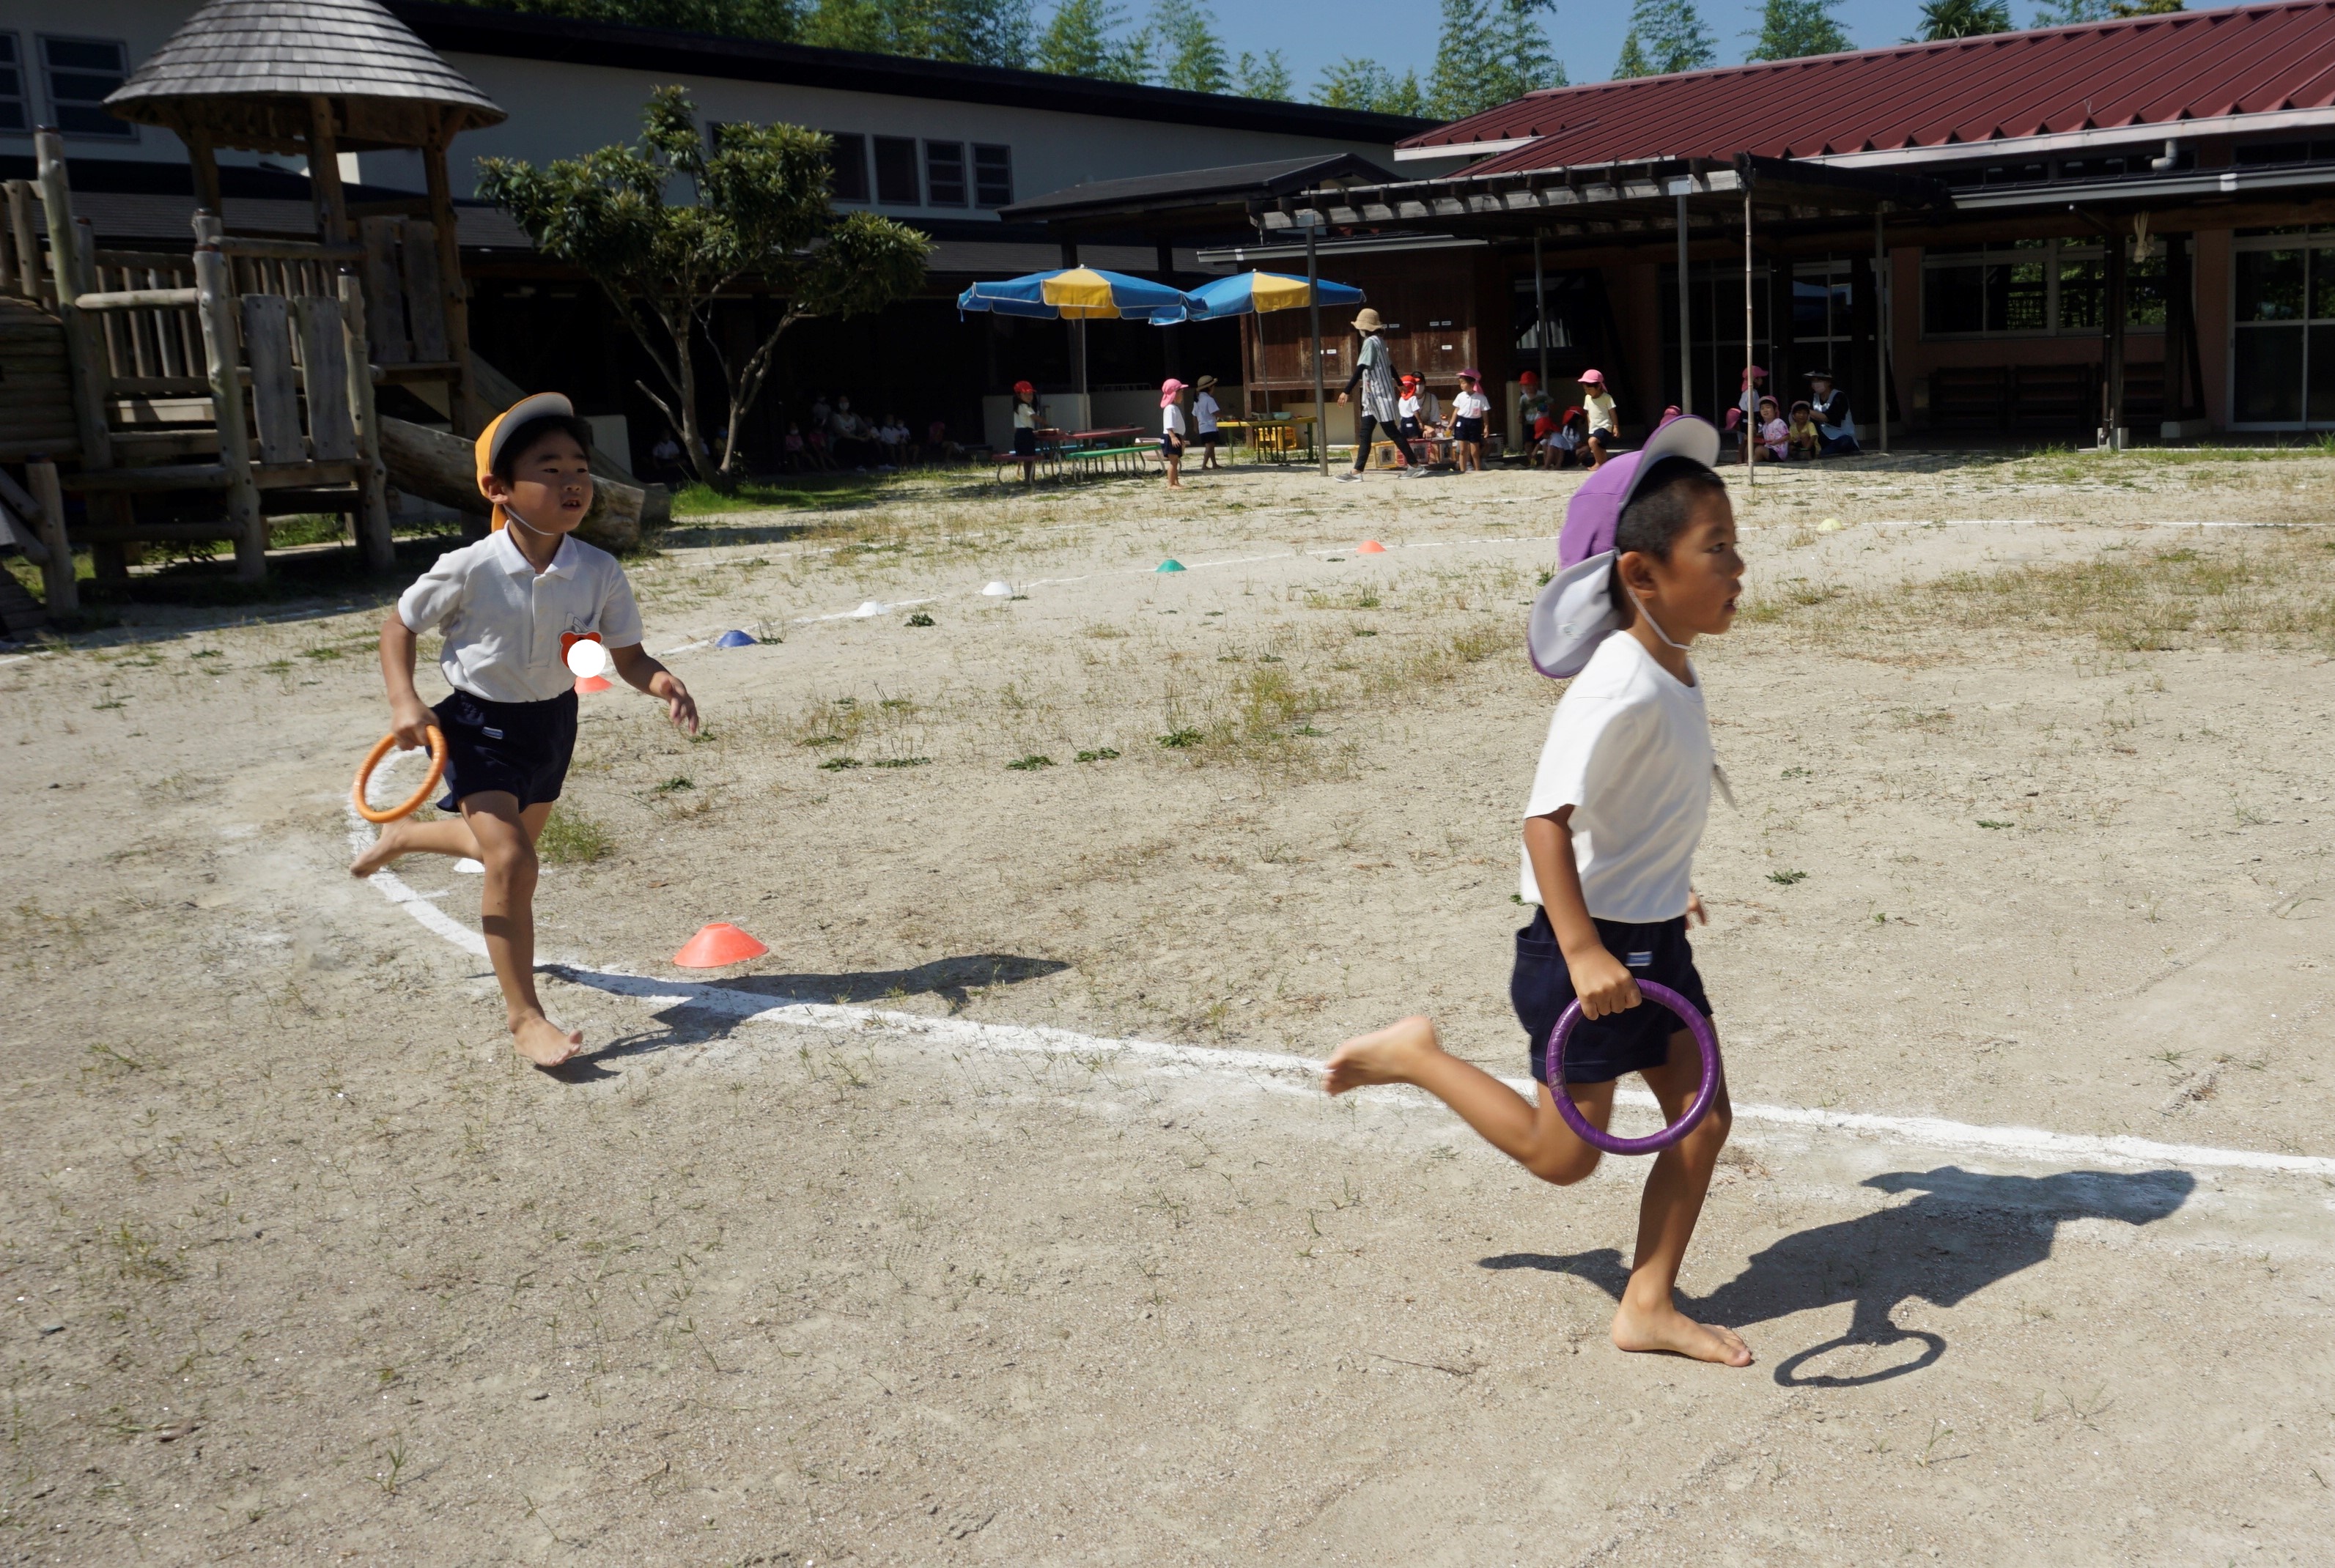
(1574, 611)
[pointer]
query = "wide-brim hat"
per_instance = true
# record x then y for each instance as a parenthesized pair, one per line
(1367, 320)
(1205, 382)
(1821, 375)
(499, 430)
(1574, 613)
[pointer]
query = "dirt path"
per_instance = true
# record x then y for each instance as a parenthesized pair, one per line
(300, 1263)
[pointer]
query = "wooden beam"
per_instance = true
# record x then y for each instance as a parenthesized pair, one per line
(469, 418)
(222, 356)
(200, 152)
(324, 171)
(57, 574)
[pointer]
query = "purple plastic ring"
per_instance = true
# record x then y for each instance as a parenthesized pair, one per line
(1596, 1137)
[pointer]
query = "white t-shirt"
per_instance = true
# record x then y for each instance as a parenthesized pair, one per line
(1630, 751)
(1470, 405)
(1602, 416)
(503, 620)
(1171, 420)
(1203, 412)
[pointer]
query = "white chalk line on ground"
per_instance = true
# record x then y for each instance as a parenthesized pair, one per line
(958, 1033)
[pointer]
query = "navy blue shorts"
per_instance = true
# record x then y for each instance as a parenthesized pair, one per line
(521, 748)
(1602, 1049)
(1467, 429)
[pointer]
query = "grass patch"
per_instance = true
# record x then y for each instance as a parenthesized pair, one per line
(1786, 879)
(838, 764)
(902, 763)
(810, 492)
(1099, 754)
(1030, 763)
(674, 785)
(571, 838)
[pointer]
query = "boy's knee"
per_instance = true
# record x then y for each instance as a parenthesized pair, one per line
(1563, 1168)
(512, 857)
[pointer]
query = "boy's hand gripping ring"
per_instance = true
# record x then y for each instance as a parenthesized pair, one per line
(1697, 1025)
(412, 803)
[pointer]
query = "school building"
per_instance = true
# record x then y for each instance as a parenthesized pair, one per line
(948, 149)
(2028, 236)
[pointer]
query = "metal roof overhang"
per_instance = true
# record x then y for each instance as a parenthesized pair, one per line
(1615, 203)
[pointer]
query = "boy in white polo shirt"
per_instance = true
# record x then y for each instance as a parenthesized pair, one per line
(509, 605)
(1617, 808)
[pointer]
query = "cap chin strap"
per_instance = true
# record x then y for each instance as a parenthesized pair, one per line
(1657, 626)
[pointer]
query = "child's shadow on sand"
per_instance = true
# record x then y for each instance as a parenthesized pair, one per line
(1964, 1232)
(952, 979)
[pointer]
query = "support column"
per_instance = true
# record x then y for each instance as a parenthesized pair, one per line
(1314, 311)
(1881, 331)
(374, 545)
(57, 583)
(1783, 358)
(222, 356)
(206, 176)
(89, 365)
(2113, 431)
(1751, 345)
(1540, 317)
(469, 419)
(324, 172)
(1685, 318)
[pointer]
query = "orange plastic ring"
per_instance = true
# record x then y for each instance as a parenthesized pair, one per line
(412, 803)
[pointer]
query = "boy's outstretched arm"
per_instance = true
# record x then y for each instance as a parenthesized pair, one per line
(643, 673)
(1599, 979)
(409, 716)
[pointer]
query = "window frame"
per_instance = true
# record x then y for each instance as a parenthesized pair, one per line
(915, 168)
(2055, 256)
(836, 159)
(933, 183)
(117, 130)
(980, 186)
(2316, 245)
(24, 94)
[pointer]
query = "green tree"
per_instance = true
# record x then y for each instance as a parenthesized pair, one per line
(1465, 77)
(1082, 39)
(1670, 37)
(1264, 75)
(1793, 29)
(1633, 62)
(1191, 56)
(858, 24)
(779, 20)
(1353, 84)
(1944, 19)
(963, 32)
(1528, 62)
(2064, 13)
(2127, 9)
(758, 211)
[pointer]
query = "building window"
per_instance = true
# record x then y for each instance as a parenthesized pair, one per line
(944, 173)
(2282, 328)
(993, 176)
(846, 155)
(2034, 288)
(895, 171)
(12, 116)
(80, 73)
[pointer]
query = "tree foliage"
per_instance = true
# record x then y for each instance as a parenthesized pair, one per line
(1354, 83)
(1191, 56)
(1793, 29)
(1083, 38)
(1666, 36)
(2063, 12)
(1944, 19)
(1264, 75)
(1489, 52)
(758, 211)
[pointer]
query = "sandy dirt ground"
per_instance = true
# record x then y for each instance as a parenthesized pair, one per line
(821, 1260)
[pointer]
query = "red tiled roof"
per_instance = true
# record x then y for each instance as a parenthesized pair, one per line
(2176, 74)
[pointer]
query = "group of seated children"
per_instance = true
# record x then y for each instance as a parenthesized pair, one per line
(1782, 440)
(1419, 414)
(1584, 435)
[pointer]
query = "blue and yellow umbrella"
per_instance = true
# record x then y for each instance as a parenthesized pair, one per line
(1254, 293)
(1081, 293)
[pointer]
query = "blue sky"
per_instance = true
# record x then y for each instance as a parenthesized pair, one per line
(1312, 34)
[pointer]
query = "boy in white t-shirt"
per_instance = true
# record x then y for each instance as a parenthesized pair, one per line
(1468, 411)
(510, 607)
(1205, 411)
(1617, 808)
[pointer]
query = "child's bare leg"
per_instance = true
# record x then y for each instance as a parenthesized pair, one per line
(505, 838)
(446, 836)
(1649, 1318)
(1531, 1132)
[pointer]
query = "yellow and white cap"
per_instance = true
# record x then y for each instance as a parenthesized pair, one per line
(489, 444)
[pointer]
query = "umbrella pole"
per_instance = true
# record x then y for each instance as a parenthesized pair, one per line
(1314, 309)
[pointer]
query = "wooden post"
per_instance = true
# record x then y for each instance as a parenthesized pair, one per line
(221, 357)
(1750, 357)
(57, 572)
(375, 544)
(70, 266)
(324, 171)
(467, 417)
(28, 249)
(1881, 331)
(206, 176)
(2112, 314)
(1685, 313)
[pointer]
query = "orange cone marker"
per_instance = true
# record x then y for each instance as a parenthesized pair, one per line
(1369, 547)
(591, 683)
(716, 945)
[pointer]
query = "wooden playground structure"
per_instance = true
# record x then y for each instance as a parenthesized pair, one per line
(186, 398)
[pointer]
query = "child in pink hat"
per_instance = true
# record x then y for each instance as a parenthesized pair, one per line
(1611, 827)
(1605, 419)
(1172, 431)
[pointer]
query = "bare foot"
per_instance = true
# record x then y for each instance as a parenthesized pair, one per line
(383, 850)
(1386, 1056)
(1668, 1329)
(542, 1041)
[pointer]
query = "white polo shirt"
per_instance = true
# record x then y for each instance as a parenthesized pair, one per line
(1630, 751)
(503, 620)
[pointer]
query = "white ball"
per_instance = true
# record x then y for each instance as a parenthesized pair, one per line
(587, 657)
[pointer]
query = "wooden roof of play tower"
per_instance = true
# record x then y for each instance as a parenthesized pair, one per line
(247, 73)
